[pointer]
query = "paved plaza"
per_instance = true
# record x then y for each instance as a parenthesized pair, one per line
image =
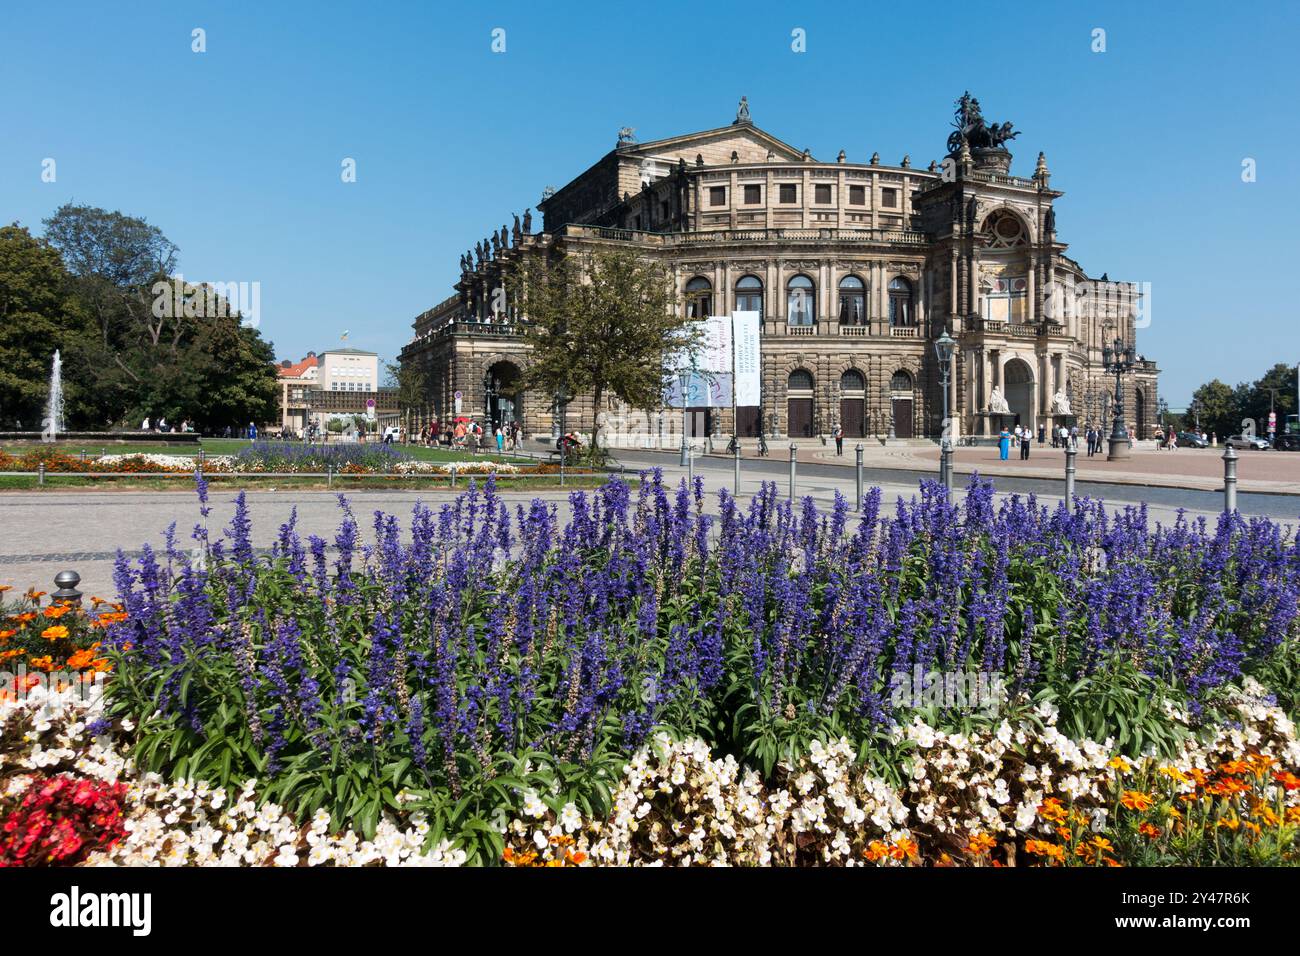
(42, 533)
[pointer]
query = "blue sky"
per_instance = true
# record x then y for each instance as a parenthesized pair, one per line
(235, 153)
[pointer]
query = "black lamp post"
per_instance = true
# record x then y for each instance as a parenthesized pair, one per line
(1117, 360)
(943, 350)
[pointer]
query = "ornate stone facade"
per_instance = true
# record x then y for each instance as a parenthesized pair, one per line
(857, 269)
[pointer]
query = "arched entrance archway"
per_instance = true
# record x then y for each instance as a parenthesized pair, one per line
(1019, 380)
(503, 394)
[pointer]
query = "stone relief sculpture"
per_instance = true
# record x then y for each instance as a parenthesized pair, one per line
(997, 403)
(1061, 404)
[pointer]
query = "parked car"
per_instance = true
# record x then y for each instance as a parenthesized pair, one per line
(1191, 440)
(1289, 441)
(1249, 442)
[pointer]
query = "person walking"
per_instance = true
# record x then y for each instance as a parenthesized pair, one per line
(762, 445)
(838, 431)
(1004, 443)
(501, 440)
(1042, 434)
(1024, 444)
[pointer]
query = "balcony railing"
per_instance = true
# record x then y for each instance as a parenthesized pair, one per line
(905, 237)
(903, 332)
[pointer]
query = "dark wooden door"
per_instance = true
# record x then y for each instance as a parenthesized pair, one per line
(747, 421)
(799, 416)
(903, 417)
(852, 417)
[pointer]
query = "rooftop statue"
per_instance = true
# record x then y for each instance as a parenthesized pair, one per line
(626, 136)
(970, 128)
(742, 112)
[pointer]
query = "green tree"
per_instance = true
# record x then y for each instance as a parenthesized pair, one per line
(1276, 391)
(38, 314)
(1216, 404)
(161, 347)
(410, 382)
(602, 323)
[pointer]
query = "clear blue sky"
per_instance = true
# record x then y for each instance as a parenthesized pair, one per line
(235, 153)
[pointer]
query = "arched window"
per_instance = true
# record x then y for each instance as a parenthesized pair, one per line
(699, 298)
(801, 301)
(801, 380)
(853, 301)
(852, 382)
(901, 382)
(900, 302)
(1004, 231)
(749, 295)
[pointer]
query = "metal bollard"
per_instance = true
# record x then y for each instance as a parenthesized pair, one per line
(793, 450)
(1229, 479)
(1071, 451)
(945, 464)
(329, 476)
(690, 465)
(736, 464)
(40, 473)
(453, 476)
(67, 593)
(858, 469)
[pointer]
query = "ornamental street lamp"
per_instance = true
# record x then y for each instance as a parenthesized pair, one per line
(943, 349)
(684, 379)
(1117, 360)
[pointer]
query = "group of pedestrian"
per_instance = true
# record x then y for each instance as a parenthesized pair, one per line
(1021, 437)
(163, 426)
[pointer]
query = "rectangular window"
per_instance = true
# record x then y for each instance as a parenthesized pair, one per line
(717, 195)
(663, 209)
(857, 195)
(889, 198)
(822, 194)
(789, 192)
(753, 195)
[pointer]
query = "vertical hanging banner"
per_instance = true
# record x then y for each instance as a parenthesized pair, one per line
(745, 341)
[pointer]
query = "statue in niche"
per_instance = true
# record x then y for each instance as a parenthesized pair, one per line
(998, 403)
(1061, 404)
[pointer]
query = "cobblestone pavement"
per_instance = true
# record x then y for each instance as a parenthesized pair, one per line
(42, 533)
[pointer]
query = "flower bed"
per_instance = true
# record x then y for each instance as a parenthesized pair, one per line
(453, 672)
(652, 684)
(259, 458)
(54, 637)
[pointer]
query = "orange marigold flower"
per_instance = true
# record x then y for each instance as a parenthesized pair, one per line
(1136, 800)
(45, 663)
(1293, 814)
(980, 843)
(56, 611)
(1052, 810)
(55, 632)
(1149, 830)
(34, 595)
(1287, 779)
(903, 848)
(1230, 822)
(1064, 834)
(876, 851)
(1234, 767)
(5, 635)
(1175, 773)
(577, 858)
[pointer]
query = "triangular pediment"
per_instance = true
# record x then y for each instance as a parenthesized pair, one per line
(751, 145)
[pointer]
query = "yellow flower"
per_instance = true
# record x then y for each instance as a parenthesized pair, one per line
(1120, 764)
(1136, 800)
(55, 632)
